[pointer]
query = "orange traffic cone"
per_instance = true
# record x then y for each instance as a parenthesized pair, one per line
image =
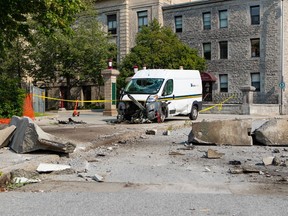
(28, 107)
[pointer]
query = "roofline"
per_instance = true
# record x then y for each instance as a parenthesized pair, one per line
(183, 5)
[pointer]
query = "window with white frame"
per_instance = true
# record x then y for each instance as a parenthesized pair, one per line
(142, 19)
(255, 81)
(255, 15)
(207, 21)
(207, 51)
(223, 19)
(178, 23)
(112, 23)
(223, 78)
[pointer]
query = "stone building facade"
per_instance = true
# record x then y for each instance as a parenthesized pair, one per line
(244, 43)
(124, 18)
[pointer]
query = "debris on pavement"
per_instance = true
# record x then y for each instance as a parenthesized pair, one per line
(98, 178)
(213, 154)
(71, 121)
(46, 167)
(151, 132)
(235, 162)
(29, 137)
(23, 180)
(167, 133)
(268, 160)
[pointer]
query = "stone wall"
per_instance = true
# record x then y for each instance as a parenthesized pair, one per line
(239, 64)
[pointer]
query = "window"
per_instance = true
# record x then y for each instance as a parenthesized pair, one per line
(255, 15)
(142, 19)
(112, 24)
(255, 81)
(207, 21)
(223, 82)
(168, 88)
(255, 47)
(207, 51)
(178, 23)
(223, 19)
(223, 46)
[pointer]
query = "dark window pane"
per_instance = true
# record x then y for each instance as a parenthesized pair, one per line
(255, 81)
(255, 47)
(142, 19)
(178, 23)
(255, 15)
(223, 49)
(207, 51)
(112, 23)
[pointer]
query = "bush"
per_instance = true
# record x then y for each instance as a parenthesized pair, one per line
(11, 97)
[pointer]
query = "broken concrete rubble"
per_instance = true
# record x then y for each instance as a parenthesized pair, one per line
(213, 154)
(45, 167)
(221, 132)
(30, 137)
(5, 135)
(273, 132)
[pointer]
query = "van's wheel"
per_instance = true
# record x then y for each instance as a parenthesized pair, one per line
(194, 113)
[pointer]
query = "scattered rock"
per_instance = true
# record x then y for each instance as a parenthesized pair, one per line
(45, 167)
(213, 154)
(167, 133)
(151, 132)
(207, 169)
(276, 161)
(97, 178)
(276, 151)
(235, 162)
(268, 160)
(236, 170)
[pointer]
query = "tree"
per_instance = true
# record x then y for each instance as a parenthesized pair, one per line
(159, 47)
(49, 15)
(77, 58)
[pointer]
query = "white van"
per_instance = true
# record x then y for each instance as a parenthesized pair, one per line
(156, 94)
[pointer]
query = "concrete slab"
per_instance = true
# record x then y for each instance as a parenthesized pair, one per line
(46, 167)
(5, 135)
(273, 132)
(222, 132)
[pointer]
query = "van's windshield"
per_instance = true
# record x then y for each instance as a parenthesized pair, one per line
(144, 86)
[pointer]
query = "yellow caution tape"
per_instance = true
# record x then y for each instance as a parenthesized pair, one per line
(219, 105)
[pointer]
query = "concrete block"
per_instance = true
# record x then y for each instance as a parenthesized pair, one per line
(30, 137)
(5, 135)
(222, 132)
(273, 132)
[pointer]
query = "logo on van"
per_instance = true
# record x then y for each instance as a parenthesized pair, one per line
(193, 85)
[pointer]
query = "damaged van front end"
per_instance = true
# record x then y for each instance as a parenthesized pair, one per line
(144, 105)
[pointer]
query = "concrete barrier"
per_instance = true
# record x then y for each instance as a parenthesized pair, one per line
(222, 132)
(273, 132)
(5, 135)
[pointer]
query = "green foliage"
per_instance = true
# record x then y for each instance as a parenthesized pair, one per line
(50, 15)
(77, 57)
(159, 47)
(11, 97)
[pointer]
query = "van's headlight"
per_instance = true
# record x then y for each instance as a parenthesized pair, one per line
(152, 98)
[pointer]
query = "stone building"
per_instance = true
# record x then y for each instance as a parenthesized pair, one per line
(124, 18)
(244, 44)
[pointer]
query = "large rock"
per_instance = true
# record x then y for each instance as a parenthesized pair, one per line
(30, 137)
(221, 132)
(5, 135)
(273, 132)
